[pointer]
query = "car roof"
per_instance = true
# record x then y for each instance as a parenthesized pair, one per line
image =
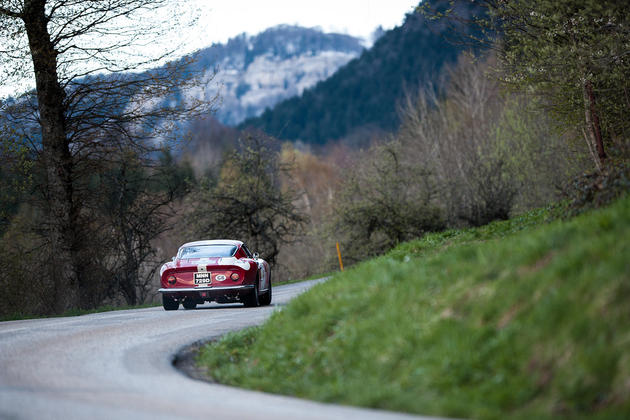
(214, 242)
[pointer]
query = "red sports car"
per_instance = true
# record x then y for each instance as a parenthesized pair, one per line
(224, 271)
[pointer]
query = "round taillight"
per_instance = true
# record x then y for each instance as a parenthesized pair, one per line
(235, 276)
(171, 279)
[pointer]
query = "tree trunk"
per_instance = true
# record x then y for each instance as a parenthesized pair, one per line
(56, 157)
(593, 118)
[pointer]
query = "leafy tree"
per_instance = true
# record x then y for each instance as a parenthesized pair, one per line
(576, 53)
(247, 202)
(78, 115)
(572, 52)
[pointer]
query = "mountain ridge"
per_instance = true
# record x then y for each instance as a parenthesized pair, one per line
(254, 72)
(364, 94)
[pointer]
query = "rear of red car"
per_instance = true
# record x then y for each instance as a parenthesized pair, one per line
(217, 270)
(192, 284)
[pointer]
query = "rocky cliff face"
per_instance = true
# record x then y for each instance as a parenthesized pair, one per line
(256, 72)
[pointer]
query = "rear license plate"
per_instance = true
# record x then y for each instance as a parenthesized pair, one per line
(202, 278)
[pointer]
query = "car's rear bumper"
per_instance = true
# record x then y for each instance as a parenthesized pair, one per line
(217, 289)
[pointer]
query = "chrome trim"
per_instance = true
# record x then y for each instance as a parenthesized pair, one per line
(205, 289)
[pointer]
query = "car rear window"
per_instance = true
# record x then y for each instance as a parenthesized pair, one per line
(207, 251)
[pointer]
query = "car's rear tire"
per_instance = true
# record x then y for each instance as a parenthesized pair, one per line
(189, 303)
(252, 300)
(169, 303)
(265, 299)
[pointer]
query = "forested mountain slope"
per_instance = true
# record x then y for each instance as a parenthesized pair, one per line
(365, 93)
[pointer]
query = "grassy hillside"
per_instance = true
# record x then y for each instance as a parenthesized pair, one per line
(522, 318)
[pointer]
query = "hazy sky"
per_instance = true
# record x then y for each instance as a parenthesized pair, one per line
(220, 20)
(223, 19)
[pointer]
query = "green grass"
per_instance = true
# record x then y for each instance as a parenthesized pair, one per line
(311, 277)
(77, 312)
(522, 319)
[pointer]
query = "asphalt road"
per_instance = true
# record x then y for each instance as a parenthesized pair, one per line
(118, 365)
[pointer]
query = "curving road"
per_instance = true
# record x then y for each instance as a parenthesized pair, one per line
(118, 365)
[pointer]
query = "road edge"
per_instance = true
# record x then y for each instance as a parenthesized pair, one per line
(185, 361)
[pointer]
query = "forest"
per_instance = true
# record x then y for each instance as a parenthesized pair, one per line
(530, 111)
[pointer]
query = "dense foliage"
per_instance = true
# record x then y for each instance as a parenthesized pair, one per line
(574, 53)
(384, 201)
(466, 158)
(127, 205)
(16, 164)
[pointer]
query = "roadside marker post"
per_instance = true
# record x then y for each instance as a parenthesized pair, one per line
(339, 255)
